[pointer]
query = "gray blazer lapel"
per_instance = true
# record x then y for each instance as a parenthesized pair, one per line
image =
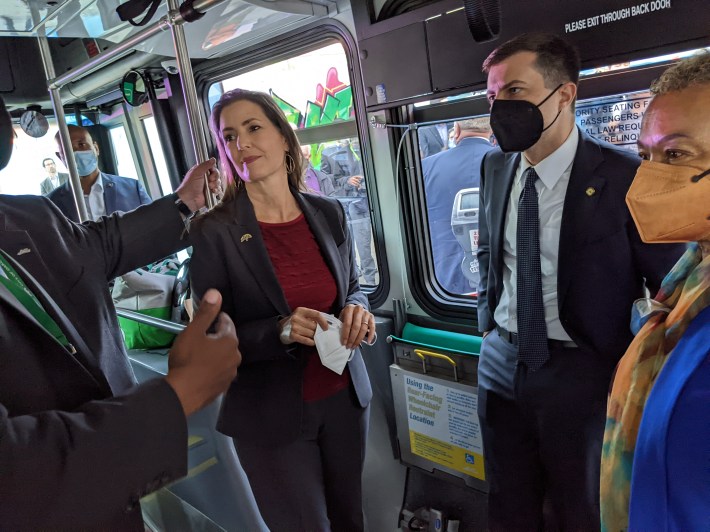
(324, 236)
(250, 245)
(581, 200)
(502, 178)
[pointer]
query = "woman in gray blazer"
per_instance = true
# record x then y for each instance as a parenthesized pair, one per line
(281, 258)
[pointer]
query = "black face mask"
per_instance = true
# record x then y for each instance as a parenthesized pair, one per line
(518, 124)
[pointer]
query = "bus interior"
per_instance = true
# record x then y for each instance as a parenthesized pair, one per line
(360, 81)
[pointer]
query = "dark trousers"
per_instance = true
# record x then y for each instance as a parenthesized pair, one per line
(314, 483)
(542, 435)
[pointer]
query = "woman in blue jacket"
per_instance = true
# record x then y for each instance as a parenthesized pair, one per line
(656, 455)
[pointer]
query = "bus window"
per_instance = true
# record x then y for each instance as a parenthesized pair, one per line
(451, 154)
(125, 165)
(156, 150)
(313, 90)
(340, 162)
(614, 119)
(30, 164)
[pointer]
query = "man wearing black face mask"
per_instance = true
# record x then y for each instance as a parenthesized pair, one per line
(561, 264)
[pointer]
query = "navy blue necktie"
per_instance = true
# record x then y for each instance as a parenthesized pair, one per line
(532, 329)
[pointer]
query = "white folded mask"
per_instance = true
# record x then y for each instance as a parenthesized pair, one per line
(333, 354)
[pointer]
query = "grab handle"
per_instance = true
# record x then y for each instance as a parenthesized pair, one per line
(422, 354)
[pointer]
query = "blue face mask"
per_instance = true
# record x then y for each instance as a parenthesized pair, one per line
(86, 162)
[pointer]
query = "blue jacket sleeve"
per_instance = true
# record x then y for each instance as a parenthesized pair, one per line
(143, 196)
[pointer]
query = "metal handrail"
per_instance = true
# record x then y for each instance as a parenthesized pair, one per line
(162, 24)
(187, 80)
(75, 182)
(173, 21)
(164, 325)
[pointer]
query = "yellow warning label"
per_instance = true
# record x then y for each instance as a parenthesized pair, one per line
(447, 454)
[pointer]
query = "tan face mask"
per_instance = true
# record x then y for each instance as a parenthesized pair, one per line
(670, 203)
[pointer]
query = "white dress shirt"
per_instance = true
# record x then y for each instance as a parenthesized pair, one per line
(554, 172)
(94, 200)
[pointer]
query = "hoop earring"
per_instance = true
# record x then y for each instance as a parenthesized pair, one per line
(290, 163)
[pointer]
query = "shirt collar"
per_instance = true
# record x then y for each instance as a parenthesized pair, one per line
(552, 167)
(98, 186)
(470, 139)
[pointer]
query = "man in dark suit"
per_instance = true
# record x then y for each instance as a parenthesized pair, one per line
(103, 193)
(561, 264)
(444, 175)
(80, 443)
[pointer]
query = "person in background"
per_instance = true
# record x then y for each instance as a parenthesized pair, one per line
(345, 165)
(432, 139)
(316, 181)
(655, 470)
(561, 262)
(282, 258)
(103, 193)
(80, 442)
(53, 179)
(444, 175)
(452, 138)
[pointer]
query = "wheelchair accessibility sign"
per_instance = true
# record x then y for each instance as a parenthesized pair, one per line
(443, 425)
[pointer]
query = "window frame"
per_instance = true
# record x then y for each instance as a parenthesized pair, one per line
(425, 288)
(298, 42)
(130, 119)
(418, 257)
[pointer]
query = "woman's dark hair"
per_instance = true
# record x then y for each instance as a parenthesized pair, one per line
(276, 117)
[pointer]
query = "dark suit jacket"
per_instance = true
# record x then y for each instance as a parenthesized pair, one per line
(264, 404)
(602, 261)
(121, 194)
(444, 175)
(79, 444)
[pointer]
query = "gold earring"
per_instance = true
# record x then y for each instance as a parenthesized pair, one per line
(290, 163)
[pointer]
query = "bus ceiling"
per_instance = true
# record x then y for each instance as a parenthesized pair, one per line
(437, 37)
(78, 31)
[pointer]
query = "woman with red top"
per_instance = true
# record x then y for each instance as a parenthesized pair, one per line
(280, 258)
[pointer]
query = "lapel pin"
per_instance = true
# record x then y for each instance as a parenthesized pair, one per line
(591, 191)
(245, 237)
(23, 251)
